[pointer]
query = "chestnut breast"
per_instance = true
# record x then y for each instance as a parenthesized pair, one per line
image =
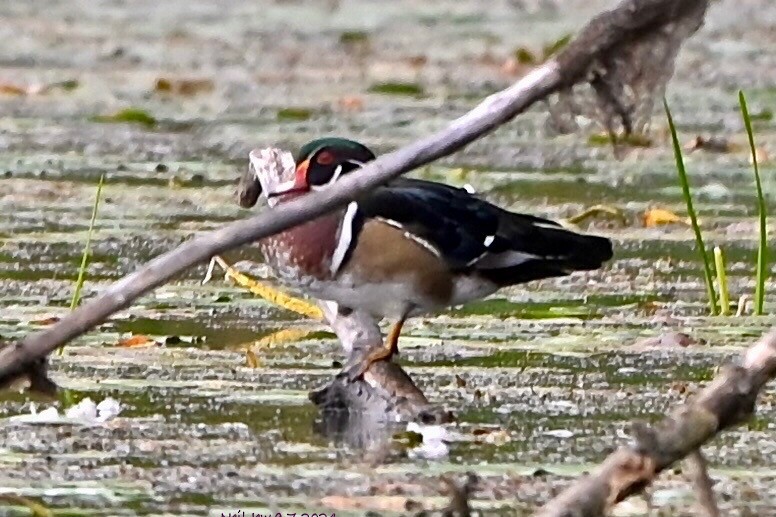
(305, 250)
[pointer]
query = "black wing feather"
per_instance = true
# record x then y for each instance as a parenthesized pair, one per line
(472, 234)
(448, 218)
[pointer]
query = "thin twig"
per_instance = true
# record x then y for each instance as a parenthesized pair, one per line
(702, 483)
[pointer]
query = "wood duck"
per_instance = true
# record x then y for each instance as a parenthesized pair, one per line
(411, 246)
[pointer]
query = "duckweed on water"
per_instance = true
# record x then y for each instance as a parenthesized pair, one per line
(632, 140)
(354, 37)
(131, 115)
(397, 88)
(294, 114)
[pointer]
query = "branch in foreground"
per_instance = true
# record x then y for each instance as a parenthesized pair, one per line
(491, 113)
(698, 472)
(597, 46)
(727, 401)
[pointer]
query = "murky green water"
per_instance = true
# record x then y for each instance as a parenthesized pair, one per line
(542, 378)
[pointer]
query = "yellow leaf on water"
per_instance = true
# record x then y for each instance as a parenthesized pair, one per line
(251, 361)
(659, 216)
(136, 341)
(761, 154)
(283, 336)
(12, 89)
(183, 86)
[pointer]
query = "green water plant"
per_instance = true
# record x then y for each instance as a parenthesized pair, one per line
(707, 271)
(130, 115)
(762, 249)
(79, 283)
(397, 88)
(722, 283)
(294, 114)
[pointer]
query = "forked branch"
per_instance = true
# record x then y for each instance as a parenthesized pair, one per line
(727, 401)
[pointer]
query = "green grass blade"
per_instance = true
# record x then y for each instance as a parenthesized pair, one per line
(722, 283)
(712, 295)
(87, 247)
(762, 250)
(87, 251)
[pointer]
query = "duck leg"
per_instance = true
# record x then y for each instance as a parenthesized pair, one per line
(385, 352)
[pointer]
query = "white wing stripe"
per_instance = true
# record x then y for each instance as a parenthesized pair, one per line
(423, 242)
(345, 238)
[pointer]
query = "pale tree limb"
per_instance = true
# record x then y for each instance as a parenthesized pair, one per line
(595, 47)
(727, 401)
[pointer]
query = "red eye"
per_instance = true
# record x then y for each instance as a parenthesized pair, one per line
(325, 158)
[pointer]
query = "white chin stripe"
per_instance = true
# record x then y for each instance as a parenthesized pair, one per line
(345, 238)
(336, 176)
(280, 187)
